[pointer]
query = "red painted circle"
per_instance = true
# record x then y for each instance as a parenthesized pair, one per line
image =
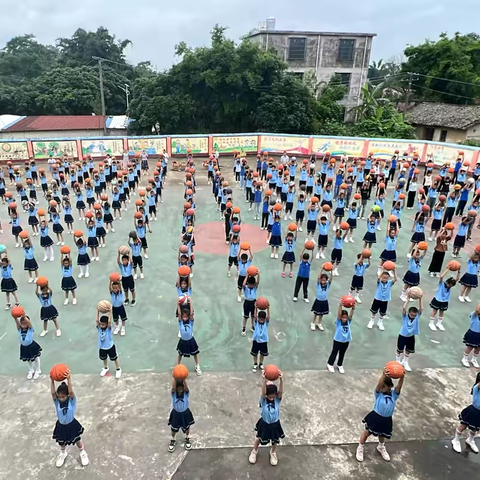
(210, 238)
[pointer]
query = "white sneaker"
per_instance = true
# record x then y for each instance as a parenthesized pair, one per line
(383, 452)
(371, 323)
(403, 298)
(113, 230)
(239, 298)
(30, 374)
(96, 259)
(122, 331)
(430, 239)
(252, 458)
(300, 229)
(74, 301)
(312, 327)
(135, 276)
(457, 446)
(116, 329)
(465, 362)
(335, 272)
(17, 245)
(87, 274)
(474, 362)
(30, 280)
(359, 454)
(104, 371)
(380, 325)
(66, 301)
(84, 458)
(317, 256)
(272, 255)
(118, 373)
(322, 255)
(141, 275)
(467, 299)
(273, 459)
(470, 441)
(52, 259)
(406, 365)
(341, 369)
(45, 259)
(276, 255)
(346, 240)
(432, 326)
(351, 240)
(80, 275)
(431, 274)
(43, 333)
(58, 333)
(440, 326)
(320, 327)
(58, 243)
(357, 298)
(198, 371)
(330, 368)
(145, 256)
(61, 458)
(306, 300)
(36, 374)
(378, 228)
(295, 299)
(462, 299)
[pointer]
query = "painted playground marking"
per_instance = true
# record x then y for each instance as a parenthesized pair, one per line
(3, 336)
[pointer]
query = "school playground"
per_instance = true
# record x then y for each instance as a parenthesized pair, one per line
(125, 420)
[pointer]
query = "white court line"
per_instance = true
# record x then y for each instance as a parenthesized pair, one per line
(1, 338)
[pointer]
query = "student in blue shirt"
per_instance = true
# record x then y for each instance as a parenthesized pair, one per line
(336, 253)
(30, 350)
(48, 311)
(339, 210)
(68, 429)
(288, 257)
(360, 266)
(382, 296)
(250, 288)
(436, 225)
(106, 346)
(441, 299)
(410, 328)
(68, 282)
(245, 258)
(469, 279)
(379, 421)
(118, 309)
(83, 260)
(461, 236)
(450, 210)
(290, 195)
(412, 276)
(275, 240)
(125, 264)
(469, 418)
(268, 427)
(370, 236)
(324, 220)
(352, 220)
(187, 345)
(8, 285)
(341, 339)
(471, 339)
(30, 265)
(234, 250)
(141, 232)
(418, 230)
(257, 201)
(303, 276)
(321, 307)
(180, 417)
(260, 337)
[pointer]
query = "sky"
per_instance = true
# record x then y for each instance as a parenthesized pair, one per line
(155, 27)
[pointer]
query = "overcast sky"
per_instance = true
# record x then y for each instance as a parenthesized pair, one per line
(155, 27)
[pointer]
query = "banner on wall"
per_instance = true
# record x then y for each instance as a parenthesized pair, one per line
(440, 154)
(282, 143)
(338, 146)
(244, 143)
(183, 145)
(54, 149)
(152, 146)
(100, 148)
(384, 148)
(13, 151)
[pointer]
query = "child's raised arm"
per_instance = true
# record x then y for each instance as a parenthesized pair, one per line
(174, 384)
(352, 311)
(52, 389)
(379, 386)
(264, 385)
(17, 322)
(69, 384)
(339, 310)
(97, 319)
(280, 387)
(398, 387)
(420, 305)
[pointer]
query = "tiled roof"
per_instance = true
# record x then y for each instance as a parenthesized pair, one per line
(58, 122)
(7, 120)
(445, 115)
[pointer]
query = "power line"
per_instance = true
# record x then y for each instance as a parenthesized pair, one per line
(448, 80)
(445, 93)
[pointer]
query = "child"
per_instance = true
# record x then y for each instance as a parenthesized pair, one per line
(105, 344)
(352, 220)
(320, 307)
(100, 230)
(32, 218)
(303, 276)
(260, 337)
(440, 301)
(459, 241)
(336, 255)
(469, 279)
(341, 339)
(410, 328)
(250, 286)
(389, 253)
(57, 226)
(128, 283)
(68, 282)
(288, 257)
(412, 276)
(234, 250)
(68, 217)
(357, 280)
(323, 227)
(118, 309)
(8, 285)
(469, 418)
(48, 311)
(187, 345)
(379, 421)
(16, 228)
(141, 233)
(339, 211)
(418, 230)
(68, 429)
(136, 247)
(269, 428)
(471, 339)
(300, 212)
(382, 296)
(370, 236)
(30, 350)
(312, 219)
(180, 417)
(436, 222)
(276, 236)
(244, 261)
(30, 264)
(438, 256)
(83, 260)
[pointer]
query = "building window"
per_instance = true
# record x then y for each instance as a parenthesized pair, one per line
(344, 79)
(346, 50)
(429, 133)
(443, 136)
(296, 48)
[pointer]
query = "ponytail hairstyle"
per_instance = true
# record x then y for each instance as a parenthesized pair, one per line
(62, 389)
(477, 381)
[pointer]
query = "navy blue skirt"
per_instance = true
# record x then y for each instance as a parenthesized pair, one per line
(470, 417)
(288, 257)
(28, 353)
(322, 241)
(57, 228)
(48, 313)
(471, 339)
(68, 434)
(269, 432)
(459, 241)
(339, 212)
(411, 279)
(185, 348)
(352, 222)
(46, 241)
(115, 205)
(9, 285)
(418, 237)
(101, 232)
(83, 259)
(436, 224)
(320, 307)
(68, 218)
(16, 230)
(377, 425)
(469, 280)
(80, 205)
(370, 237)
(389, 255)
(32, 220)
(275, 241)
(180, 420)
(30, 265)
(92, 242)
(108, 218)
(68, 284)
(437, 305)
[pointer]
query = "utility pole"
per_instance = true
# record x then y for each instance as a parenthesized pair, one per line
(126, 89)
(407, 100)
(102, 95)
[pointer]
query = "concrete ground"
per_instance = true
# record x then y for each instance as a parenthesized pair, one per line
(126, 432)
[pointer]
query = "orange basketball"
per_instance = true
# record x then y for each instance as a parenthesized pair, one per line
(272, 372)
(184, 271)
(18, 311)
(142, 193)
(236, 228)
(180, 372)
(457, 186)
(138, 202)
(415, 293)
(183, 249)
(236, 209)
(366, 253)
(115, 277)
(187, 205)
(472, 213)
(395, 369)
(314, 200)
(138, 215)
(244, 245)
(229, 205)
(422, 245)
(252, 270)
(344, 226)
(453, 265)
(77, 233)
(58, 372)
(292, 227)
(42, 281)
(89, 214)
(381, 185)
(12, 206)
(65, 249)
(357, 196)
(309, 245)
(41, 212)
(268, 193)
(392, 218)
(189, 191)
(401, 196)
(104, 197)
(262, 303)
(53, 203)
(477, 249)
(347, 301)
(326, 208)
(277, 207)
(449, 226)
(343, 186)
(23, 234)
(389, 265)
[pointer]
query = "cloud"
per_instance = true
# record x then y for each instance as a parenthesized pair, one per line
(156, 27)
